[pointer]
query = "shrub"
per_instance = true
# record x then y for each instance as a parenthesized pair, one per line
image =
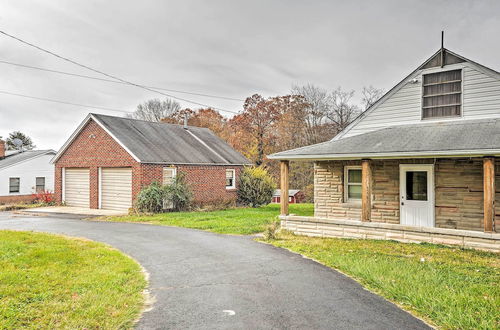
(156, 197)
(255, 187)
(150, 198)
(45, 197)
(271, 231)
(178, 193)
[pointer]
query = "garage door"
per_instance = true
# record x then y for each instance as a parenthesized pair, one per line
(116, 188)
(77, 187)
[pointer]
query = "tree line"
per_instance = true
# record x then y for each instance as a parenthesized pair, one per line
(308, 115)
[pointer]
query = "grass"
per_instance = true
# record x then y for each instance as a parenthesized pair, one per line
(241, 221)
(450, 287)
(49, 281)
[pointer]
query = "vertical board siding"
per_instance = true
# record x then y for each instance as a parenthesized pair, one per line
(481, 99)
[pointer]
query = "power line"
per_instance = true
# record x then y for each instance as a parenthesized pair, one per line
(63, 102)
(115, 82)
(109, 75)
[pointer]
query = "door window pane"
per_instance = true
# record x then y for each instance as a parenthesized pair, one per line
(416, 185)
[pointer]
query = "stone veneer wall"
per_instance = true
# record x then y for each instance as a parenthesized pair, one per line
(458, 192)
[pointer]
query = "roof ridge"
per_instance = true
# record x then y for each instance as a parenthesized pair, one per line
(146, 121)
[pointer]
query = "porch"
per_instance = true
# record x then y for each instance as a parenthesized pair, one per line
(460, 193)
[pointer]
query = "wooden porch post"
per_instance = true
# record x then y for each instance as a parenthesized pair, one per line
(366, 190)
(489, 193)
(284, 165)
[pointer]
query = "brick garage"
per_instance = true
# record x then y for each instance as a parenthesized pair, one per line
(114, 142)
(458, 192)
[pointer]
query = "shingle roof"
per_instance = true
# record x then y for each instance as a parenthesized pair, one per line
(153, 142)
(291, 192)
(14, 158)
(464, 137)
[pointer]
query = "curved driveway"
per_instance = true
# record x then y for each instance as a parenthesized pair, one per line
(198, 279)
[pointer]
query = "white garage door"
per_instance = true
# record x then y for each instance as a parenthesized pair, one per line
(116, 188)
(77, 187)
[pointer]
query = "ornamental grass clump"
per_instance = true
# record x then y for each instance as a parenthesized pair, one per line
(256, 187)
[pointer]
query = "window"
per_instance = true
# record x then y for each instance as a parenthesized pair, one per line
(169, 174)
(352, 183)
(442, 94)
(416, 185)
(14, 184)
(230, 176)
(40, 184)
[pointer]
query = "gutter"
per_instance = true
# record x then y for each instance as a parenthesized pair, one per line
(386, 155)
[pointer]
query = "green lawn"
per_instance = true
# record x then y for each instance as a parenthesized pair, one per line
(242, 221)
(450, 287)
(49, 281)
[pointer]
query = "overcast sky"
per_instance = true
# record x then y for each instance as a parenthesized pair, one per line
(228, 48)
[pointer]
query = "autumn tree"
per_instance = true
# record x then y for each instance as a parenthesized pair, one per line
(155, 109)
(211, 119)
(25, 141)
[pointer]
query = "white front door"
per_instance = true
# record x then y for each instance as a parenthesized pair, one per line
(417, 195)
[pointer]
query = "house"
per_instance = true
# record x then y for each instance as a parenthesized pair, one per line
(108, 160)
(23, 173)
(294, 196)
(418, 165)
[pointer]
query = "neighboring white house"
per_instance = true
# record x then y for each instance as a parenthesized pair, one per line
(22, 173)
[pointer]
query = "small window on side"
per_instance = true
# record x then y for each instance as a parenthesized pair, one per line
(40, 184)
(230, 179)
(352, 183)
(169, 174)
(14, 185)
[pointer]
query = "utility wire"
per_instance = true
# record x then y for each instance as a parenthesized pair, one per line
(109, 75)
(114, 81)
(63, 102)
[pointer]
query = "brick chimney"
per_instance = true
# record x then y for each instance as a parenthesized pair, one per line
(2, 148)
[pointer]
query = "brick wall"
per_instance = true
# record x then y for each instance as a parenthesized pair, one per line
(94, 148)
(458, 192)
(16, 199)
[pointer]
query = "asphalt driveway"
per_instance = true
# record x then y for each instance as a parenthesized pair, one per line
(201, 280)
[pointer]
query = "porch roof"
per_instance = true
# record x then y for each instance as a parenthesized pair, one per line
(452, 138)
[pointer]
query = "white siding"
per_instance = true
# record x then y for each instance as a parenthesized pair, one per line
(481, 99)
(28, 171)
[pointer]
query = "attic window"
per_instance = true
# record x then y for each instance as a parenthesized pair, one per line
(442, 94)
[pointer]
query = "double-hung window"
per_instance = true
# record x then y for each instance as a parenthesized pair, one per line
(442, 94)
(230, 179)
(352, 183)
(40, 184)
(14, 185)
(169, 174)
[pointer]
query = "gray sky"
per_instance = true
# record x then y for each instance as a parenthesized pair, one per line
(228, 48)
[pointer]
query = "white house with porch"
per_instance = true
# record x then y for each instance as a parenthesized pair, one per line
(417, 166)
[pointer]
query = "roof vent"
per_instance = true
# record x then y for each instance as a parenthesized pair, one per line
(185, 121)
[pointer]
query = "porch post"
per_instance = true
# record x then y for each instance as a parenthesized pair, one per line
(284, 165)
(366, 190)
(489, 192)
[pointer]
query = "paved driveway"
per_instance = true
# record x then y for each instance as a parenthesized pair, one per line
(199, 279)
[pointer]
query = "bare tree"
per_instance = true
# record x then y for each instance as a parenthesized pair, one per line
(155, 110)
(371, 95)
(342, 110)
(315, 117)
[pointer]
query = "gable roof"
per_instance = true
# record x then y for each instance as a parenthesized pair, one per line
(433, 61)
(465, 138)
(161, 143)
(14, 158)
(291, 192)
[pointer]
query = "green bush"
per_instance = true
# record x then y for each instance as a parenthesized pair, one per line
(178, 193)
(255, 187)
(157, 198)
(150, 198)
